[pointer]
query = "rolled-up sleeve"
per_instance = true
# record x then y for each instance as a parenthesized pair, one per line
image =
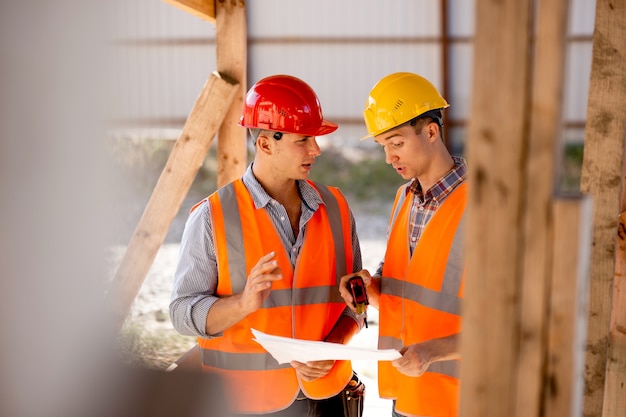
(195, 278)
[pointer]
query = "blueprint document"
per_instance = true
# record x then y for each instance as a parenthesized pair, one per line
(285, 350)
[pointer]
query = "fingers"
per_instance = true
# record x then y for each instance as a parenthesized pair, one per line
(264, 272)
(259, 282)
(403, 360)
(311, 371)
(367, 278)
(265, 264)
(345, 292)
(264, 280)
(412, 362)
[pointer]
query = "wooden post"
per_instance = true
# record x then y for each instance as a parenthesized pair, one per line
(231, 49)
(229, 17)
(546, 103)
(564, 382)
(615, 387)
(614, 403)
(191, 361)
(498, 131)
(178, 174)
(601, 177)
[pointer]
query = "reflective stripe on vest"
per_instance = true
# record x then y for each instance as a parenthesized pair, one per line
(397, 204)
(420, 300)
(304, 304)
(448, 302)
(234, 236)
(334, 217)
(241, 361)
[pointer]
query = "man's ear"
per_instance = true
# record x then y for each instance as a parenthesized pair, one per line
(263, 143)
(433, 131)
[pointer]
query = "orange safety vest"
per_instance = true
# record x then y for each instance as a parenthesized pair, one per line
(421, 300)
(305, 304)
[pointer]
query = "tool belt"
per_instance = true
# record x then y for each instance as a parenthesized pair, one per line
(353, 396)
(349, 400)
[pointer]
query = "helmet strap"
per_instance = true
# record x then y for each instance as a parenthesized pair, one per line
(254, 134)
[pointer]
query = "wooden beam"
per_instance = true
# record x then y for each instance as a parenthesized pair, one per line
(614, 402)
(615, 388)
(178, 174)
(231, 49)
(564, 379)
(601, 177)
(204, 9)
(497, 135)
(191, 361)
(546, 103)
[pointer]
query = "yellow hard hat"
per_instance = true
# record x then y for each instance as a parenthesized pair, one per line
(398, 98)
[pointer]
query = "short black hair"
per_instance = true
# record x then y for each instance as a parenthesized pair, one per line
(435, 115)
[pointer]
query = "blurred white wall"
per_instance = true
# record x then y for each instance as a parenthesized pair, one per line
(164, 55)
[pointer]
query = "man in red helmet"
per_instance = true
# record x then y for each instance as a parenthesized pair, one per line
(266, 252)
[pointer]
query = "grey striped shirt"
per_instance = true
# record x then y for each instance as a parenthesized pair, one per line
(195, 279)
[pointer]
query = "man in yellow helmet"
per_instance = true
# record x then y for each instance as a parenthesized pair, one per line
(418, 286)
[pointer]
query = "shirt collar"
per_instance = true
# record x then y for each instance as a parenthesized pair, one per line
(444, 186)
(261, 198)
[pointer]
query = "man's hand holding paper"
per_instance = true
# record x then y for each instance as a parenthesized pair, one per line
(285, 350)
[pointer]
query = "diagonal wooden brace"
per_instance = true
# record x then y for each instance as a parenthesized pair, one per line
(176, 178)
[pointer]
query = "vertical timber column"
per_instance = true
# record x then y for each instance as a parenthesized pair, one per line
(231, 50)
(567, 318)
(615, 387)
(546, 103)
(496, 151)
(605, 132)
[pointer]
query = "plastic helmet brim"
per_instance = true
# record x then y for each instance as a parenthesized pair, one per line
(326, 128)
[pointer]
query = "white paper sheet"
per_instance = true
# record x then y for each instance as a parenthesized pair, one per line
(285, 350)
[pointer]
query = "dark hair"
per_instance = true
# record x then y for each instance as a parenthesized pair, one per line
(433, 115)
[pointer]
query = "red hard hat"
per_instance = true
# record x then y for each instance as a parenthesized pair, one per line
(284, 104)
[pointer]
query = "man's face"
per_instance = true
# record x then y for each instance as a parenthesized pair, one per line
(407, 149)
(294, 155)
